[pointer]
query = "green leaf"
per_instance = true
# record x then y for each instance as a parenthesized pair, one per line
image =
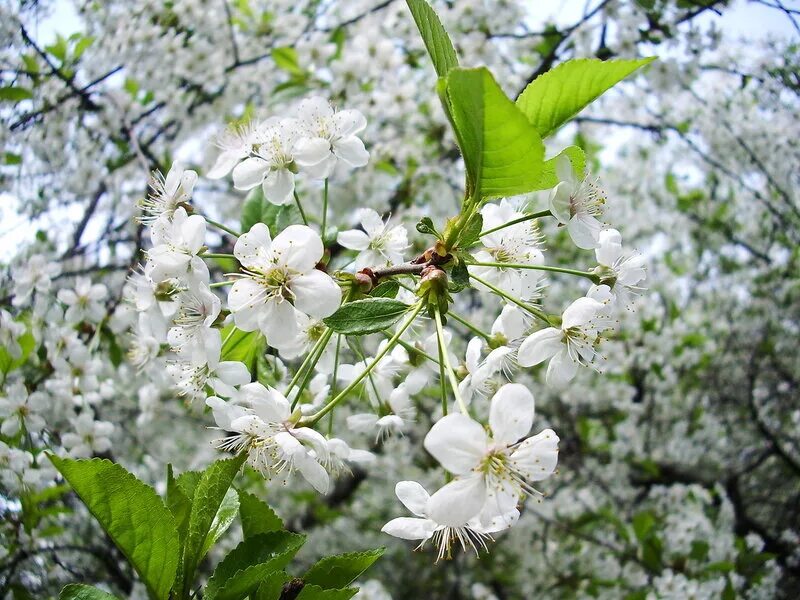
(257, 516)
(26, 343)
(459, 275)
(366, 316)
(314, 592)
(15, 94)
(208, 498)
(242, 346)
(339, 571)
(425, 226)
(77, 591)
(470, 235)
(286, 58)
(179, 504)
(241, 571)
(502, 151)
(222, 520)
(555, 97)
(436, 40)
(132, 514)
(549, 179)
(387, 289)
(257, 209)
(271, 587)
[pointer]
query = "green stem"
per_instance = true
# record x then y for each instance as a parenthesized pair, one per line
(324, 207)
(591, 276)
(335, 375)
(470, 326)
(522, 219)
(442, 376)
(446, 360)
(531, 309)
(312, 419)
(221, 284)
(234, 233)
(411, 348)
(300, 207)
(308, 363)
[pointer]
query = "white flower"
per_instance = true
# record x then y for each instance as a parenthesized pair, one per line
(10, 331)
(481, 374)
(340, 453)
(401, 413)
(236, 144)
(572, 344)
(198, 310)
(499, 463)
(85, 302)
(167, 193)
(192, 378)
(444, 521)
(577, 204)
(176, 244)
(378, 244)
(627, 270)
(327, 137)
(90, 436)
(279, 278)
(258, 417)
(272, 162)
(36, 274)
(516, 244)
(19, 410)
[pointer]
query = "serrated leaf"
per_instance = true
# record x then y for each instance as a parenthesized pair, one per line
(178, 503)
(333, 572)
(471, 232)
(556, 96)
(208, 497)
(132, 514)
(387, 289)
(366, 316)
(503, 152)
(222, 520)
(257, 516)
(271, 587)
(241, 571)
(434, 36)
(15, 94)
(425, 226)
(314, 592)
(459, 275)
(77, 591)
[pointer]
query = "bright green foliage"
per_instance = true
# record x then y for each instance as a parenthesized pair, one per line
(341, 570)
(75, 591)
(208, 498)
(257, 209)
(178, 503)
(436, 40)
(242, 346)
(549, 178)
(271, 587)
(555, 97)
(246, 566)
(286, 58)
(133, 516)
(8, 363)
(15, 94)
(502, 151)
(314, 592)
(366, 316)
(385, 289)
(256, 516)
(471, 232)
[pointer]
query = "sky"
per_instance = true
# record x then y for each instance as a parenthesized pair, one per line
(745, 19)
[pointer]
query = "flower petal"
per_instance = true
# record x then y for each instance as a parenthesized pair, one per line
(249, 173)
(409, 528)
(413, 496)
(278, 186)
(351, 150)
(458, 501)
(539, 346)
(298, 247)
(355, 239)
(511, 413)
(316, 294)
(537, 456)
(457, 442)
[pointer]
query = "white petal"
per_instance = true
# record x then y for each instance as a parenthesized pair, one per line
(584, 231)
(314, 473)
(278, 186)
(457, 442)
(311, 151)
(540, 346)
(355, 239)
(413, 496)
(609, 247)
(458, 501)
(560, 201)
(511, 413)
(537, 456)
(371, 221)
(251, 247)
(351, 150)
(580, 312)
(473, 356)
(233, 372)
(246, 301)
(194, 233)
(349, 122)
(561, 370)
(277, 322)
(298, 247)
(249, 173)
(409, 528)
(316, 294)
(224, 163)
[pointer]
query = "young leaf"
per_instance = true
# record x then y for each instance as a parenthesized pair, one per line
(555, 97)
(271, 587)
(222, 520)
(366, 316)
(436, 40)
(77, 591)
(178, 503)
(576, 156)
(15, 94)
(241, 571)
(133, 516)
(502, 151)
(242, 346)
(471, 233)
(314, 592)
(333, 572)
(387, 289)
(257, 516)
(208, 497)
